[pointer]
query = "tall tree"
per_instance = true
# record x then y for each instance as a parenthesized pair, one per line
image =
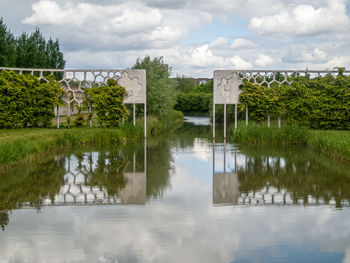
(7, 46)
(160, 88)
(29, 51)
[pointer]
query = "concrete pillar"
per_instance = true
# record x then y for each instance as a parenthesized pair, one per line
(225, 121)
(214, 121)
(134, 113)
(236, 125)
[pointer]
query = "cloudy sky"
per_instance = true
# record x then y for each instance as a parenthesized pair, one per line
(193, 36)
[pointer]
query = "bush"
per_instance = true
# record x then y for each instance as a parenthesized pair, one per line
(108, 103)
(79, 119)
(319, 103)
(193, 102)
(27, 102)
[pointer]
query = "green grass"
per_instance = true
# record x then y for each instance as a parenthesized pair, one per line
(19, 144)
(330, 142)
(261, 134)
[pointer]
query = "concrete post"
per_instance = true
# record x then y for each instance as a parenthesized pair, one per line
(236, 121)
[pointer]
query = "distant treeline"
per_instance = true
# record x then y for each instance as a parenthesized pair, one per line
(29, 51)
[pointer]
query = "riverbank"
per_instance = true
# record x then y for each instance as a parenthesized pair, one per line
(331, 142)
(19, 144)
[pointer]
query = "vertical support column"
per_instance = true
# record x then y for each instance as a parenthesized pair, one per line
(134, 113)
(225, 121)
(90, 112)
(224, 156)
(279, 122)
(213, 157)
(236, 161)
(134, 163)
(58, 116)
(213, 120)
(236, 116)
(246, 116)
(145, 155)
(268, 121)
(145, 119)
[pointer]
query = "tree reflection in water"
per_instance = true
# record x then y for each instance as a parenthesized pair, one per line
(306, 177)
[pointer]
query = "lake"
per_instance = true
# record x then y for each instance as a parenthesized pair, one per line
(177, 198)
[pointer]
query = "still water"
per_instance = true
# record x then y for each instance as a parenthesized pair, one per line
(178, 198)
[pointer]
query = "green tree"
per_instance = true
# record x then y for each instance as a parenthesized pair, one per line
(29, 51)
(7, 46)
(185, 84)
(205, 87)
(160, 88)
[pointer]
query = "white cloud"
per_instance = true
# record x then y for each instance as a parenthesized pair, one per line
(263, 61)
(124, 25)
(304, 20)
(242, 43)
(300, 53)
(219, 43)
(240, 63)
(203, 57)
(342, 61)
(113, 34)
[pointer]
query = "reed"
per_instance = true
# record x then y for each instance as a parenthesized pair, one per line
(330, 142)
(18, 144)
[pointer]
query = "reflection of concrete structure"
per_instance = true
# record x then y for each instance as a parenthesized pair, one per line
(135, 189)
(225, 188)
(76, 190)
(225, 185)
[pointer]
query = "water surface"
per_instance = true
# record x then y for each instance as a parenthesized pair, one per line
(177, 198)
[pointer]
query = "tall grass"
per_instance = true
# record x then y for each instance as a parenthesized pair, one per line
(18, 144)
(261, 134)
(331, 142)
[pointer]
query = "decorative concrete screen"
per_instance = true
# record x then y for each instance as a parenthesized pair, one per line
(227, 83)
(226, 87)
(75, 81)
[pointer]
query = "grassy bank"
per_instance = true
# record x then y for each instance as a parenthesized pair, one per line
(18, 144)
(330, 142)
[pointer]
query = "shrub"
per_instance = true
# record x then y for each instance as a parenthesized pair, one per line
(79, 119)
(319, 103)
(25, 101)
(108, 103)
(193, 102)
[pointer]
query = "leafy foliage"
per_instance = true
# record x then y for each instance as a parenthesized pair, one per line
(205, 87)
(25, 101)
(79, 118)
(193, 102)
(320, 103)
(185, 84)
(160, 88)
(260, 100)
(29, 51)
(108, 103)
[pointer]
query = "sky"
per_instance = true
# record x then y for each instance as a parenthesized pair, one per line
(195, 37)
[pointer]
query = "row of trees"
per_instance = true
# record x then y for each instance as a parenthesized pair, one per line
(29, 51)
(193, 99)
